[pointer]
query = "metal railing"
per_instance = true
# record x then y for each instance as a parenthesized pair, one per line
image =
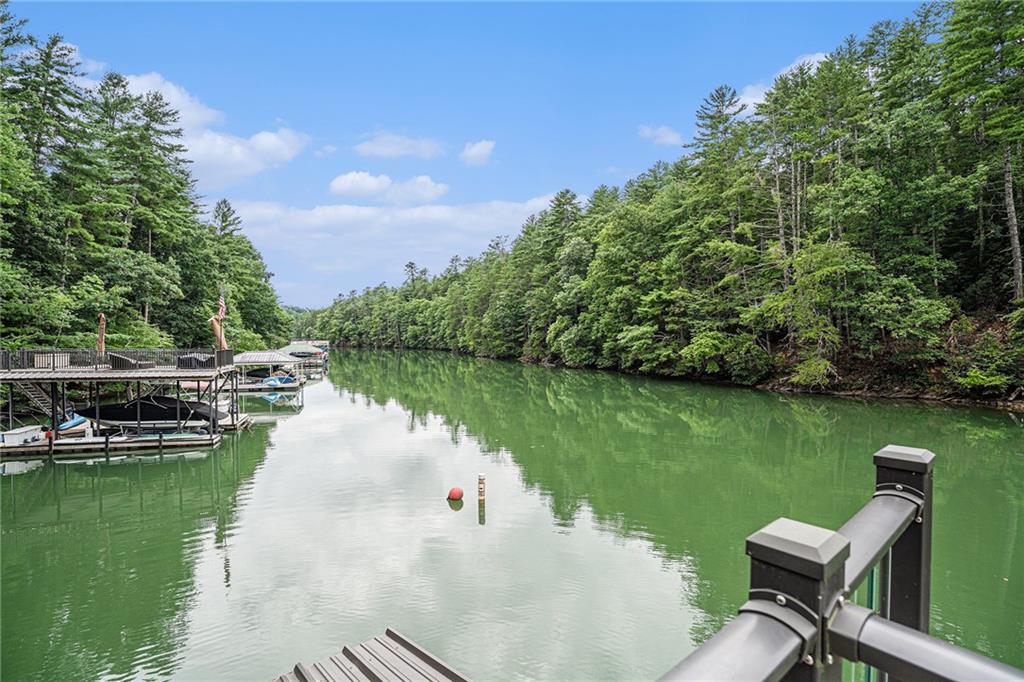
(798, 623)
(114, 358)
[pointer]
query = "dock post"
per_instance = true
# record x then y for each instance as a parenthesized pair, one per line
(161, 446)
(481, 499)
(797, 573)
(106, 446)
(905, 576)
(177, 402)
(138, 407)
(49, 447)
(96, 406)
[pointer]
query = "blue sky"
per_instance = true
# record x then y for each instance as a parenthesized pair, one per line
(354, 138)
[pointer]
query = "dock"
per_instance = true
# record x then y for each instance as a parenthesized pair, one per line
(269, 361)
(390, 658)
(65, 448)
(42, 377)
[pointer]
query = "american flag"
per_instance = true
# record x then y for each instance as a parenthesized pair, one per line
(222, 307)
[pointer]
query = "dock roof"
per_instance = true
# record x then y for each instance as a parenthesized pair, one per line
(292, 348)
(265, 357)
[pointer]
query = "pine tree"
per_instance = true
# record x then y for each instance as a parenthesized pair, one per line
(983, 49)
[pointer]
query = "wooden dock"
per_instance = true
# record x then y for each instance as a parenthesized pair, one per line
(71, 447)
(259, 387)
(243, 422)
(391, 658)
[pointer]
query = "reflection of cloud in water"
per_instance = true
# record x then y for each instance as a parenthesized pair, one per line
(348, 535)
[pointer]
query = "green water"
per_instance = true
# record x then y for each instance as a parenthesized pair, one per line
(611, 541)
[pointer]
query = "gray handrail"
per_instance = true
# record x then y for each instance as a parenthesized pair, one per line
(871, 532)
(797, 624)
(864, 636)
(750, 647)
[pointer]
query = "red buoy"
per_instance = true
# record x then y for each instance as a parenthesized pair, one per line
(455, 493)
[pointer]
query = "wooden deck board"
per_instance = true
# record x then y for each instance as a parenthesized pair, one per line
(390, 658)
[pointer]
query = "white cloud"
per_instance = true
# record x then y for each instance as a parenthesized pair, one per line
(753, 94)
(420, 189)
(359, 184)
(660, 135)
(390, 145)
(194, 114)
(477, 153)
(326, 150)
(220, 158)
(89, 66)
(373, 239)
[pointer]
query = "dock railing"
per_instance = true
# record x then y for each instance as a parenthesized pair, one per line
(799, 622)
(118, 358)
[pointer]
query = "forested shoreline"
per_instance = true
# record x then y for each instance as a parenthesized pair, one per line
(856, 231)
(99, 214)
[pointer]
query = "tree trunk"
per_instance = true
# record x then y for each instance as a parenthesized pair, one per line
(779, 216)
(1011, 223)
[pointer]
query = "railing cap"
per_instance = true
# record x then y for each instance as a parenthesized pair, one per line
(904, 458)
(799, 547)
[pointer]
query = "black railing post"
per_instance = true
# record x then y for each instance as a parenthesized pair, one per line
(797, 575)
(906, 571)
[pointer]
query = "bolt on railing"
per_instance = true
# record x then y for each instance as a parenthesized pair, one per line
(797, 624)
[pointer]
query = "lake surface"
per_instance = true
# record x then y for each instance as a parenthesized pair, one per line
(610, 544)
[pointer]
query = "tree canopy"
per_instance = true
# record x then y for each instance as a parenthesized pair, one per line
(856, 229)
(98, 213)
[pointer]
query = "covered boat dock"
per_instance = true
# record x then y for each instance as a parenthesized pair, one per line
(43, 375)
(310, 357)
(257, 366)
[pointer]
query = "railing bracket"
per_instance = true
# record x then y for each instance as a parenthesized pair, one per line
(844, 626)
(794, 619)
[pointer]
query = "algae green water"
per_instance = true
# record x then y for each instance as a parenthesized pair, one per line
(610, 544)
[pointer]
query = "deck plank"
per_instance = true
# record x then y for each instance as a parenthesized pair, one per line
(389, 658)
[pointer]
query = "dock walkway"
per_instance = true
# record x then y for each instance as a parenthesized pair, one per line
(391, 658)
(71, 447)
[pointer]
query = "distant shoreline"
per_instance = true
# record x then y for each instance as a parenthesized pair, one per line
(777, 386)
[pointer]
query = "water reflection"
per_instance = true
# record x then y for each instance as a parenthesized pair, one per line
(611, 540)
(273, 405)
(98, 558)
(693, 469)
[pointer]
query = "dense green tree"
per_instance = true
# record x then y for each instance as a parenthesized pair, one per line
(850, 232)
(98, 214)
(984, 78)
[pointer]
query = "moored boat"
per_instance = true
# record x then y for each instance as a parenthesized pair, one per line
(156, 413)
